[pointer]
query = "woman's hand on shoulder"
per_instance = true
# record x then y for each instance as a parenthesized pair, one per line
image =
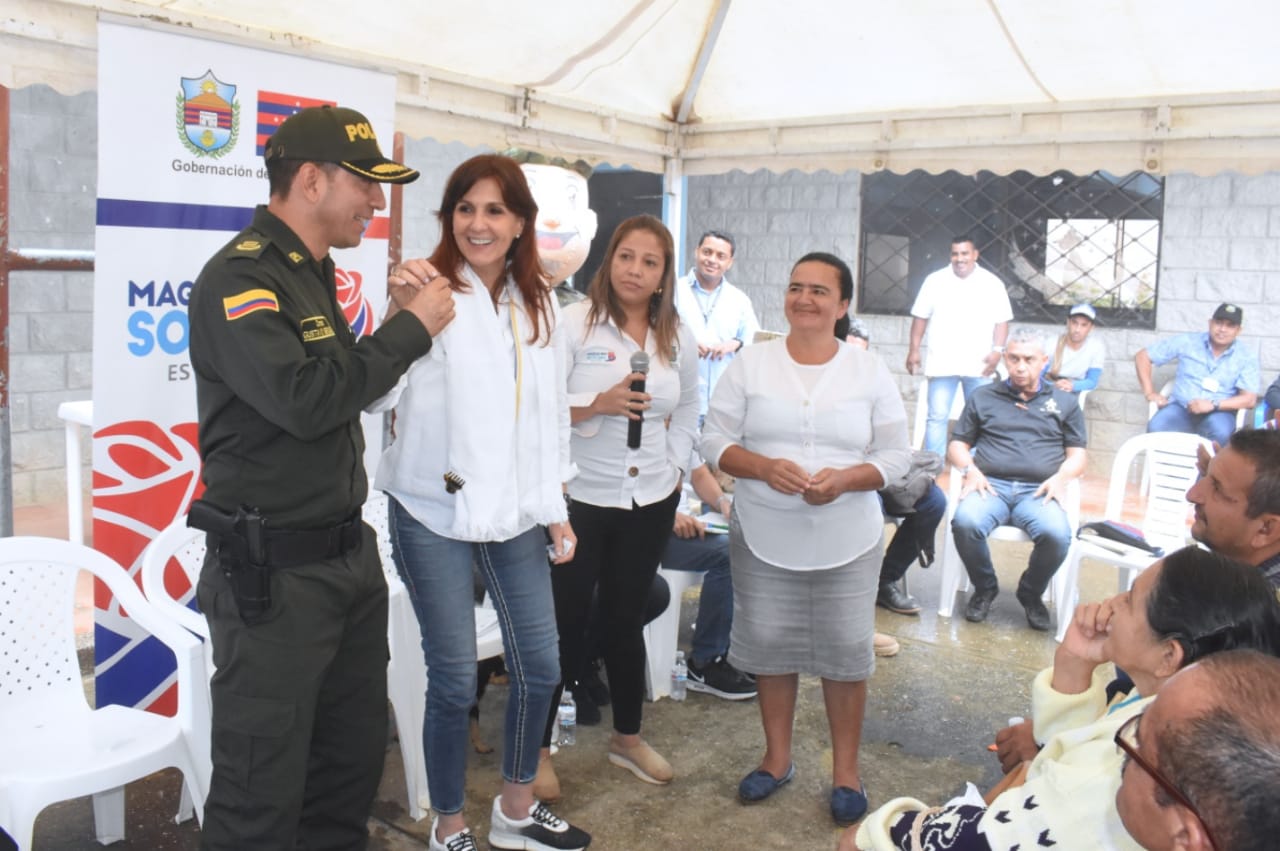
(406, 278)
(824, 486)
(785, 476)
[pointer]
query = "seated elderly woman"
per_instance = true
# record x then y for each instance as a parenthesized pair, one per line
(1182, 608)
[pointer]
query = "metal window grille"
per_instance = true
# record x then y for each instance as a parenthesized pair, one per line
(1055, 240)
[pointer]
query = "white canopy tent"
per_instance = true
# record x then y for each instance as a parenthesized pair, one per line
(705, 86)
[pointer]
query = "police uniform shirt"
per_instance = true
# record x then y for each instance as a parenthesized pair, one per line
(281, 379)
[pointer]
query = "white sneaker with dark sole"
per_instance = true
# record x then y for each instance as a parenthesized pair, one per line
(463, 840)
(541, 830)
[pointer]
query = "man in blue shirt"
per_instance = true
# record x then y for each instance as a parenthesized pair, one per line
(1216, 377)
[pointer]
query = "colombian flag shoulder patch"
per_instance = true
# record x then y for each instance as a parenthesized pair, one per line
(250, 301)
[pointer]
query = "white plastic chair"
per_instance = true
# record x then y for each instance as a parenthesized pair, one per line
(953, 576)
(407, 670)
(171, 592)
(1171, 458)
(663, 632)
(54, 746)
(1244, 415)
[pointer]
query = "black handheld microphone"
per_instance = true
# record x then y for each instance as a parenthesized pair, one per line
(639, 363)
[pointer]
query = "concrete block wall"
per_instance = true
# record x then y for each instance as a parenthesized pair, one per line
(775, 219)
(53, 149)
(1221, 242)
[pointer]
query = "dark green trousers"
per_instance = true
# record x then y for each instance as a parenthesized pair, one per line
(299, 707)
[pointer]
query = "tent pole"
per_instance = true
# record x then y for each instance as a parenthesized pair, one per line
(673, 208)
(6, 446)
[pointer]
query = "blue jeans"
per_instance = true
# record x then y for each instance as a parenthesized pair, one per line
(1012, 504)
(715, 606)
(942, 392)
(437, 572)
(1216, 426)
(915, 534)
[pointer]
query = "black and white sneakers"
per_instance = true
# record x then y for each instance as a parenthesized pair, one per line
(541, 830)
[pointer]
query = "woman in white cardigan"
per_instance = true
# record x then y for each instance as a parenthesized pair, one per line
(811, 427)
(476, 475)
(1182, 608)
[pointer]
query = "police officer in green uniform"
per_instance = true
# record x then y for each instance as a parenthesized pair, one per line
(292, 586)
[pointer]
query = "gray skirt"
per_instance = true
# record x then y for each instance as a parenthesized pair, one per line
(818, 622)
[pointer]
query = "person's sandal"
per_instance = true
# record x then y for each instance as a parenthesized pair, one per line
(760, 784)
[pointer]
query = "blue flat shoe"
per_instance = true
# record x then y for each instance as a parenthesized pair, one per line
(760, 784)
(848, 805)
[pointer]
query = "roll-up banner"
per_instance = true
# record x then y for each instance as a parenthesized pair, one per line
(182, 123)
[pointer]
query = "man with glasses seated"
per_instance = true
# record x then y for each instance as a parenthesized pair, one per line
(1203, 762)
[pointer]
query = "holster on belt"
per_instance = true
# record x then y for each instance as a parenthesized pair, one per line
(250, 549)
(242, 554)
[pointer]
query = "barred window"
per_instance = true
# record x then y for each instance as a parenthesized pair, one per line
(1054, 240)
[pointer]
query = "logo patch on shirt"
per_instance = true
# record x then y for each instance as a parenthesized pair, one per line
(250, 301)
(1051, 406)
(599, 356)
(315, 328)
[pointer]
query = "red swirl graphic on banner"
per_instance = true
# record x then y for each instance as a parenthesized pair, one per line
(353, 303)
(148, 479)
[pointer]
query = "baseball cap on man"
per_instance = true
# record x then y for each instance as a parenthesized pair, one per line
(1229, 312)
(1083, 310)
(335, 134)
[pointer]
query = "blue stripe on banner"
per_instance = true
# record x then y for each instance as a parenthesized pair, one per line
(119, 212)
(135, 674)
(285, 109)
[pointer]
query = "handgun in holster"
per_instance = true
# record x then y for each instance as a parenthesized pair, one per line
(241, 553)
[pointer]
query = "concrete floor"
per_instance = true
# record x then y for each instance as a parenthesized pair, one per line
(932, 711)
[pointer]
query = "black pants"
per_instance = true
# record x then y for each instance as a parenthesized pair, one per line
(299, 706)
(617, 557)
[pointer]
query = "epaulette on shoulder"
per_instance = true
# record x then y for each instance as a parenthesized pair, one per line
(247, 246)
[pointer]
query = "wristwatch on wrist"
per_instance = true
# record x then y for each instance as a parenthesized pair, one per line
(998, 349)
(1217, 404)
(964, 471)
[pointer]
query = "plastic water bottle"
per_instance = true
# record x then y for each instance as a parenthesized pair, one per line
(679, 677)
(568, 719)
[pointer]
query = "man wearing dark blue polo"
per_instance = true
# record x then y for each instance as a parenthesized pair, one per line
(1018, 444)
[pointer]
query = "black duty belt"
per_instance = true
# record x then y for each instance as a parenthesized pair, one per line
(289, 547)
(253, 539)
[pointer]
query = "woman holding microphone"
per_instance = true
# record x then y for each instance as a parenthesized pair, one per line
(630, 447)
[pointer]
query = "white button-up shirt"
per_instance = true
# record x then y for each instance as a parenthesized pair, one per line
(610, 474)
(715, 317)
(839, 414)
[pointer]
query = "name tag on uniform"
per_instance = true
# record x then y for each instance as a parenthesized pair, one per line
(315, 328)
(599, 356)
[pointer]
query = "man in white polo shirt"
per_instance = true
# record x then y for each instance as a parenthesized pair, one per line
(719, 314)
(966, 311)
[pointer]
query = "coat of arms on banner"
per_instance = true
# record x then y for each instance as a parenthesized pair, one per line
(208, 115)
